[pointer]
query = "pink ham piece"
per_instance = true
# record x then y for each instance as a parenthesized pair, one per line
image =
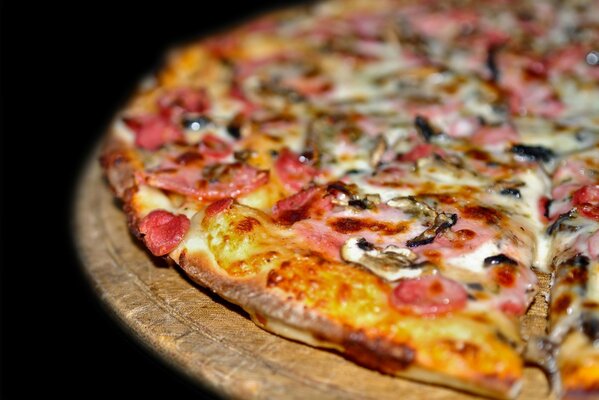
(444, 25)
(429, 296)
(586, 200)
(320, 238)
(163, 231)
(175, 103)
(524, 77)
(573, 171)
(293, 173)
(495, 135)
(219, 206)
(464, 237)
(567, 61)
(308, 86)
(153, 131)
(214, 148)
(514, 282)
(305, 204)
(227, 180)
(419, 151)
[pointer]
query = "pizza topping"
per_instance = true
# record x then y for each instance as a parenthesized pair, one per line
(557, 224)
(586, 195)
(430, 296)
(413, 207)
(442, 222)
(579, 260)
(219, 206)
(212, 147)
(348, 197)
(499, 259)
(378, 150)
(305, 204)
(533, 153)
(425, 129)
(419, 151)
(586, 200)
(391, 263)
(293, 170)
(210, 183)
(467, 238)
(163, 231)
(234, 129)
(543, 204)
(153, 131)
(489, 135)
(175, 103)
(364, 244)
(505, 275)
(510, 191)
(590, 326)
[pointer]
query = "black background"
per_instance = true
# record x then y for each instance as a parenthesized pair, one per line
(65, 69)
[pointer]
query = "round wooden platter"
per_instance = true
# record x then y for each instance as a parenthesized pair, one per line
(214, 342)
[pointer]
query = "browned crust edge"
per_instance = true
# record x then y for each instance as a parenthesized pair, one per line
(380, 354)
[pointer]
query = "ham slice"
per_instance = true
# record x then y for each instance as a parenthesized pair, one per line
(293, 173)
(210, 183)
(429, 296)
(153, 131)
(163, 231)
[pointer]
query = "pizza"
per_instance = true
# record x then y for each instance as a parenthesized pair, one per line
(385, 179)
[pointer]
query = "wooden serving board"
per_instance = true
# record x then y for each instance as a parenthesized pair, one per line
(214, 342)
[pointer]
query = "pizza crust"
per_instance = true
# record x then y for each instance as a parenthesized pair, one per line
(293, 320)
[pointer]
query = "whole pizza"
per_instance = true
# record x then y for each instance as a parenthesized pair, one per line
(387, 179)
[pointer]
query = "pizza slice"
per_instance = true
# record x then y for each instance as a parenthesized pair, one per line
(574, 312)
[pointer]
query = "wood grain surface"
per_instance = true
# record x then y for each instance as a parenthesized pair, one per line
(214, 342)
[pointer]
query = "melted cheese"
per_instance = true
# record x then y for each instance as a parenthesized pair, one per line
(474, 261)
(122, 132)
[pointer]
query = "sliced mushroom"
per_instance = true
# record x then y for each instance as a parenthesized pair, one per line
(411, 206)
(442, 221)
(508, 188)
(357, 201)
(391, 263)
(425, 129)
(377, 151)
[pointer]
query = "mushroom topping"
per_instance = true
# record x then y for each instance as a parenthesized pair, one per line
(436, 221)
(411, 206)
(557, 224)
(442, 221)
(391, 263)
(377, 151)
(425, 129)
(347, 196)
(508, 188)
(533, 153)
